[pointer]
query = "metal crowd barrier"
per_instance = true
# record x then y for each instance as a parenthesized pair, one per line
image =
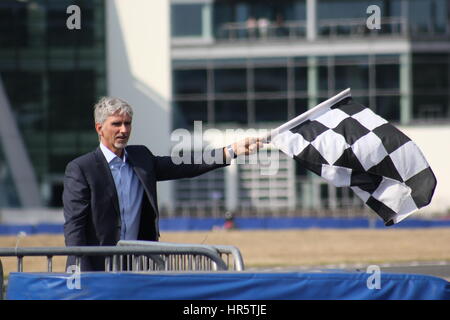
(138, 256)
(202, 257)
(229, 254)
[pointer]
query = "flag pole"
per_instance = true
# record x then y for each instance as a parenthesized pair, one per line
(305, 115)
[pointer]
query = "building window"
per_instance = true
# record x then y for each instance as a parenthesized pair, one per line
(71, 97)
(28, 107)
(301, 79)
(352, 76)
(300, 106)
(193, 81)
(348, 17)
(388, 107)
(430, 107)
(231, 111)
(13, 26)
(186, 20)
(270, 110)
(387, 76)
(58, 35)
(431, 83)
(186, 112)
(431, 74)
(429, 16)
(324, 77)
(230, 80)
(270, 79)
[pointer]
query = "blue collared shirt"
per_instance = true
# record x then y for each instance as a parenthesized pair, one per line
(129, 191)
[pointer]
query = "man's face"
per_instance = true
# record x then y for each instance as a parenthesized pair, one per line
(115, 132)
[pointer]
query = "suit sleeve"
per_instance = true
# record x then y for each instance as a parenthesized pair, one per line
(168, 168)
(77, 205)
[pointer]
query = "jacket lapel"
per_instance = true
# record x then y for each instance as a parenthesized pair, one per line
(142, 173)
(105, 171)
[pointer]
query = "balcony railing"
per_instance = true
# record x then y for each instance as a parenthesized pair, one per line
(394, 26)
(326, 29)
(233, 31)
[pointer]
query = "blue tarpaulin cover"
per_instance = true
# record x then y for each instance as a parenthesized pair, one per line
(226, 285)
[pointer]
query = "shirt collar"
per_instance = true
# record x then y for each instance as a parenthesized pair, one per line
(110, 156)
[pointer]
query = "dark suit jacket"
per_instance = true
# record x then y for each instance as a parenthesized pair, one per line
(91, 205)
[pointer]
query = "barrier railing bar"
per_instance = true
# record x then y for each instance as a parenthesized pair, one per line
(107, 263)
(49, 263)
(78, 262)
(20, 263)
(114, 263)
(111, 250)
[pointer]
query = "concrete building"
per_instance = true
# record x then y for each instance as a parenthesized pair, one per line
(230, 64)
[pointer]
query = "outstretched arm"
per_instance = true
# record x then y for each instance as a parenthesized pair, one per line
(168, 168)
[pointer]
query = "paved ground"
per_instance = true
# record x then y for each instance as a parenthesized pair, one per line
(439, 269)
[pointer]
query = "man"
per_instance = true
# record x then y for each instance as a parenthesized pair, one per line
(110, 193)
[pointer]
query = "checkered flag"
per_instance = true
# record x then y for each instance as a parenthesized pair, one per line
(350, 146)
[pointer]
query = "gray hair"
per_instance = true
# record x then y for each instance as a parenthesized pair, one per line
(107, 106)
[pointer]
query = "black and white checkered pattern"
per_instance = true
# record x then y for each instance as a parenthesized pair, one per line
(350, 146)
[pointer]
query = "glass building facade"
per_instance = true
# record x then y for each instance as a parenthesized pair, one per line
(244, 72)
(52, 77)
(252, 91)
(206, 87)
